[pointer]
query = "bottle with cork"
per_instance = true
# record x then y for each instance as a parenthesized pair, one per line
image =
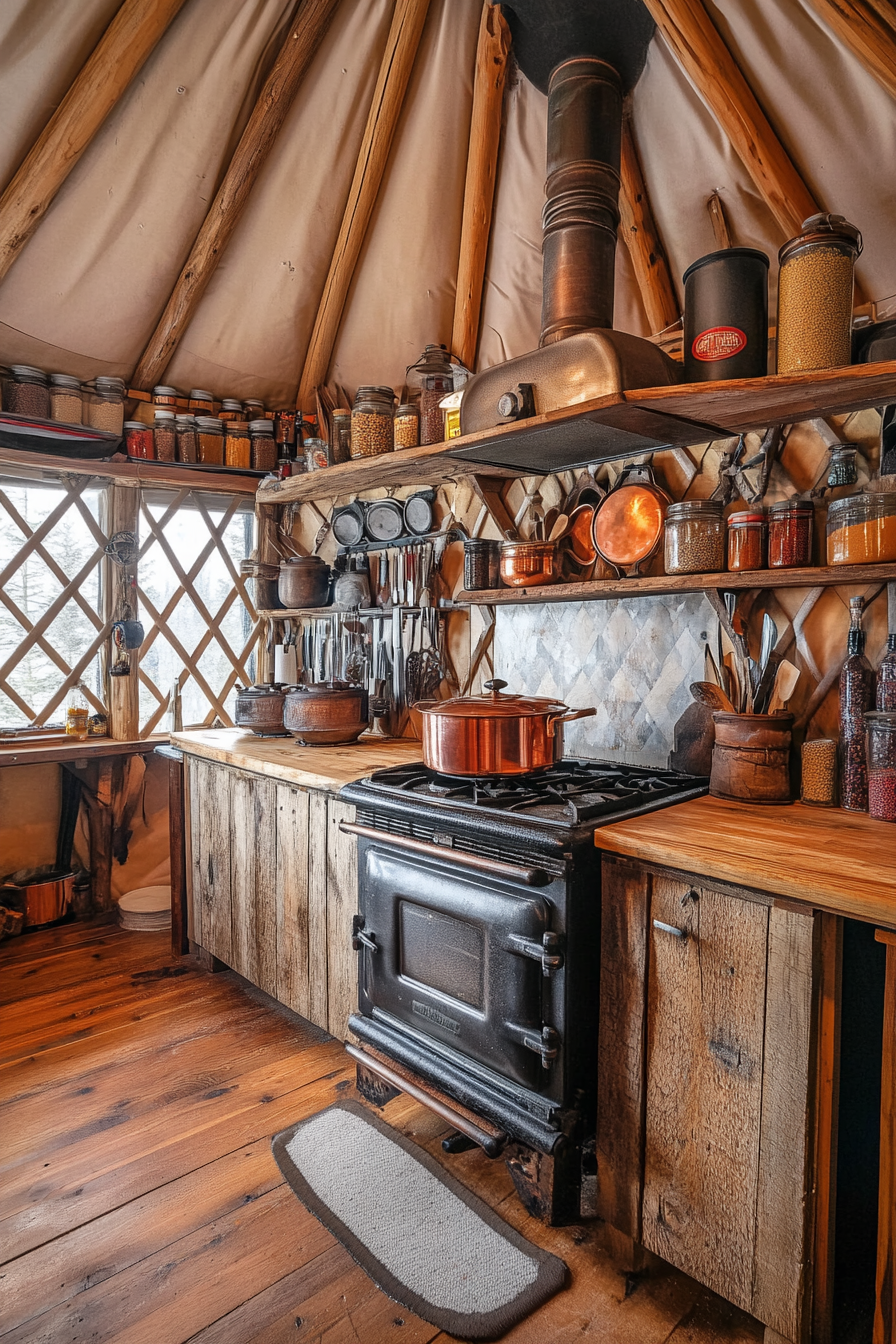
(856, 699)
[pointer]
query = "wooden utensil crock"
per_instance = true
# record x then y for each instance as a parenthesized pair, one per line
(751, 757)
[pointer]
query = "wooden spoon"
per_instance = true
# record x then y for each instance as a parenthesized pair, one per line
(712, 696)
(784, 687)
(559, 527)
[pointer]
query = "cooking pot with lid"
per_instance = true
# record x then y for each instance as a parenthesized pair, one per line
(327, 714)
(494, 734)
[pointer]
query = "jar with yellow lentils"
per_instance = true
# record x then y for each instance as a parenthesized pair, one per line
(815, 291)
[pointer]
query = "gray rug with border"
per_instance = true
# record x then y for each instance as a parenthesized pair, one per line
(421, 1236)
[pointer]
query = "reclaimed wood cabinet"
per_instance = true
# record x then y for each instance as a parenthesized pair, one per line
(272, 887)
(714, 1088)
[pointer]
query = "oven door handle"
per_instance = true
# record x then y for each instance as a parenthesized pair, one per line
(531, 877)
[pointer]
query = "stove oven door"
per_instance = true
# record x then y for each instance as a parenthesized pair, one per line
(461, 957)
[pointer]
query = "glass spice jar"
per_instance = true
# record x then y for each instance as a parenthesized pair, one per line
(237, 445)
(263, 447)
(856, 699)
(695, 537)
(253, 409)
(231, 409)
(372, 415)
(747, 540)
(165, 436)
(211, 440)
(861, 529)
(105, 404)
(407, 426)
(285, 430)
(201, 402)
(341, 445)
(790, 534)
(881, 749)
(815, 293)
(885, 683)
(66, 402)
(842, 467)
(139, 440)
(482, 564)
(29, 392)
(317, 454)
(818, 787)
(166, 397)
(187, 438)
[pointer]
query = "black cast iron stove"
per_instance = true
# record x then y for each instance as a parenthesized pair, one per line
(479, 943)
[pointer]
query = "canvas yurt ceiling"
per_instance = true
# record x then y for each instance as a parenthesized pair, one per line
(86, 292)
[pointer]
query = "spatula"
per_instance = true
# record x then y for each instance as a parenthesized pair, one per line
(712, 696)
(784, 687)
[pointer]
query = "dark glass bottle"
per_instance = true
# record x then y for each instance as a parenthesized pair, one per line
(856, 698)
(886, 677)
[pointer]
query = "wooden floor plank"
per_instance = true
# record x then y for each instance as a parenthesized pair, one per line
(105, 956)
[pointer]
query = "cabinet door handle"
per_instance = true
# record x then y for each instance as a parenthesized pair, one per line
(670, 928)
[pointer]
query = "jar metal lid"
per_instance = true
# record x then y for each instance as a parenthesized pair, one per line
(407, 408)
(165, 391)
(26, 371)
(210, 423)
(261, 426)
(792, 506)
(108, 383)
(739, 519)
(341, 411)
(200, 394)
(253, 401)
(725, 255)
(238, 429)
(65, 380)
(364, 392)
(823, 228)
(164, 416)
(231, 404)
(136, 424)
(867, 504)
(688, 508)
(882, 718)
(185, 421)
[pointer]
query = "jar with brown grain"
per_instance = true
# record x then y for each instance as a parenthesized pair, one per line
(28, 392)
(372, 416)
(341, 445)
(747, 540)
(211, 440)
(105, 404)
(253, 409)
(815, 295)
(237, 445)
(165, 435)
(263, 447)
(881, 751)
(407, 426)
(139, 442)
(695, 537)
(187, 438)
(856, 699)
(434, 374)
(66, 402)
(818, 780)
(790, 524)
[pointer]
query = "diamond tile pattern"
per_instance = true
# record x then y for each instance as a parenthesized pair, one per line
(632, 660)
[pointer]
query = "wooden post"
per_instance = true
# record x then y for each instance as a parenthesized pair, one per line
(388, 97)
(99, 826)
(268, 116)
(643, 241)
(123, 692)
(479, 187)
(868, 28)
(718, 220)
(120, 54)
(829, 981)
(885, 1305)
(488, 489)
(699, 48)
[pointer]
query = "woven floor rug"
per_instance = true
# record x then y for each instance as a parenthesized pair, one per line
(419, 1234)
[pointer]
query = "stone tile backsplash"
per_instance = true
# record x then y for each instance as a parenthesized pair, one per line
(633, 660)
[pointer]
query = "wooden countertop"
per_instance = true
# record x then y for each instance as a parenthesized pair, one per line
(326, 768)
(834, 860)
(72, 749)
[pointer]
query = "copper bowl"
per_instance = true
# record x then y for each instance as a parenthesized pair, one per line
(327, 715)
(260, 709)
(528, 562)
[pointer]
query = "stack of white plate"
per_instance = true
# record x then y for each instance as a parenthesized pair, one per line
(146, 909)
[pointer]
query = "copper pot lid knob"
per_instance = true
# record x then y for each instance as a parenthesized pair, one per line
(496, 686)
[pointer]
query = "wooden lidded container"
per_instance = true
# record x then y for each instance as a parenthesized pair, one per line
(751, 757)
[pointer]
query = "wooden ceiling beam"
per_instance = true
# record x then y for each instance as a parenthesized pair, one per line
(396, 65)
(701, 51)
(489, 80)
(868, 28)
(643, 240)
(268, 115)
(117, 58)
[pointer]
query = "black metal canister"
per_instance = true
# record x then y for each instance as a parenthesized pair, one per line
(726, 316)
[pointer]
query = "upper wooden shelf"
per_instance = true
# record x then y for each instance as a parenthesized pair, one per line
(151, 473)
(601, 590)
(733, 407)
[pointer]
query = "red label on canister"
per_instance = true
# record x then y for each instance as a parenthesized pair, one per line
(718, 343)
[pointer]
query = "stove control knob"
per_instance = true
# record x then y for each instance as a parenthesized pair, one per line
(517, 403)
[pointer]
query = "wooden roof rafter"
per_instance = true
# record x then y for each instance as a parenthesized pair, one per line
(868, 28)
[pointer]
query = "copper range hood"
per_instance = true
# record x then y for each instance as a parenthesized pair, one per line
(580, 357)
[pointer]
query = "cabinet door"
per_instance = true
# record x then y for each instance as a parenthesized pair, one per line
(291, 890)
(253, 852)
(705, 1028)
(342, 904)
(210, 858)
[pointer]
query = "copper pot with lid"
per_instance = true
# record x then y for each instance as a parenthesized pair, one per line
(494, 734)
(326, 714)
(260, 709)
(304, 582)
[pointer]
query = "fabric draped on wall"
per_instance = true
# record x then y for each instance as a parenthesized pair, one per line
(89, 287)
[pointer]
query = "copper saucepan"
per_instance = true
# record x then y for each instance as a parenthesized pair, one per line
(494, 734)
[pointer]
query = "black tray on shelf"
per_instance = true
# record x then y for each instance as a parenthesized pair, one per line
(203, 466)
(29, 434)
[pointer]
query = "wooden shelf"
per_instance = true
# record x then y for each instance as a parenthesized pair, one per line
(69, 749)
(732, 407)
(303, 613)
(602, 590)
(151, 473)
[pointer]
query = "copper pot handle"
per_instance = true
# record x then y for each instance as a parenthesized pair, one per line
(554, 719)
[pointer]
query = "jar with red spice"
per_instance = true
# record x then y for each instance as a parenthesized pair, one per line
(139, 440)
(165, 436)
(856, 699)
(747, 540)
(886, 677)
(881, 765)
(790, 524)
